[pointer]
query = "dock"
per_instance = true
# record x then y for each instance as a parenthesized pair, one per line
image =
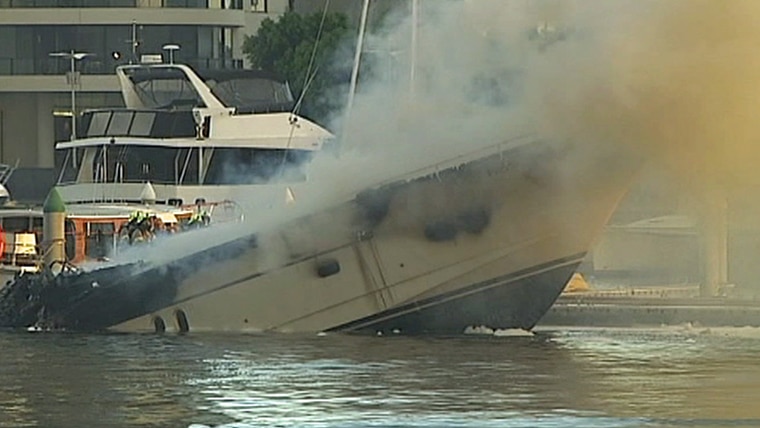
(652, 307)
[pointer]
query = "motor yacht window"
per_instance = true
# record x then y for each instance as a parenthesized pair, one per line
(256, 166)
(16, 224)
(99, 123)
(37, 224)
(104, 165)
(135, 164)
(99, 241)
(71, 240)
(255, 95)
(173, 124)
(38, 228)
(186, 166)
(168, 94)
(120, 122)
(70, 167)
(142, 124)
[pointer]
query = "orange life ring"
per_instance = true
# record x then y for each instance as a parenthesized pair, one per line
(2, 241)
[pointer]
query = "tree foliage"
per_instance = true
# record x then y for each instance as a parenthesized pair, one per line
(286, 46)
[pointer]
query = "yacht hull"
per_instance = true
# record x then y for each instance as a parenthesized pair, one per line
(516, 300)
(488, 242)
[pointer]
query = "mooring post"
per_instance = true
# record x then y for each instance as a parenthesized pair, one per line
(714, 231)
(54, 231)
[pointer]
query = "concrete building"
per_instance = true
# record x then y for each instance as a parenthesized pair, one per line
(36, 89)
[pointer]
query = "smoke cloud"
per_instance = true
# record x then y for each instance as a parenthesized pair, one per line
(672, 81)
(677, 79)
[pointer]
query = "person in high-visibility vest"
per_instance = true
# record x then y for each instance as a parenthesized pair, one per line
(136, 217)
(198, 219)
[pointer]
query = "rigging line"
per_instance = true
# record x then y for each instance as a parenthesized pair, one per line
(308, 77)
(306, 87)
(293, 120)
(293, 123)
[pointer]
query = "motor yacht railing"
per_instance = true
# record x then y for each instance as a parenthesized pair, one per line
(496, 149)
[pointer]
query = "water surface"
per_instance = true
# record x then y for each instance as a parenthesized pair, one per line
(583, 377)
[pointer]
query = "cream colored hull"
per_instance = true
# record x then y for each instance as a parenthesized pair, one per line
(416, 261)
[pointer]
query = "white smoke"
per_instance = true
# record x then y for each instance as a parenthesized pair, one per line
(477, 84)
(634, 77)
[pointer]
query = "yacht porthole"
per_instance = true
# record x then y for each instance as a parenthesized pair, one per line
(474, 221)
(159, 326)
(328, 268)
(182, 325)
(440, 231)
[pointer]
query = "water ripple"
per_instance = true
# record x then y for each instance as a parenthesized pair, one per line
(602, 378)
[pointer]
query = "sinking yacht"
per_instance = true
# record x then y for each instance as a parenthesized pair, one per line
(485, 237)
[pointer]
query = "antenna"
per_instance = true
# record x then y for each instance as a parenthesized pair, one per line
(134, 42)
(171, 48)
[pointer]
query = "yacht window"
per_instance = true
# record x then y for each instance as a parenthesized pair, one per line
(142, 124)
(174, 125)
(256, 166)
(120, 121)
(16, 224)
(100, 240)
(137, 164)
(70, 167)
(254, 94)
(186, 166)
(103, 165)
(37, 228)
(168, 93)
(155, 164)
(98, 124)
(71, 240)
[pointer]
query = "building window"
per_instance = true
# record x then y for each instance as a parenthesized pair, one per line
(259, 6)
(190, 4)
(25, 49)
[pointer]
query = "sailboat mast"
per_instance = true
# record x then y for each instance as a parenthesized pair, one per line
(357, 56)
(354, 74)
(413, 60)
